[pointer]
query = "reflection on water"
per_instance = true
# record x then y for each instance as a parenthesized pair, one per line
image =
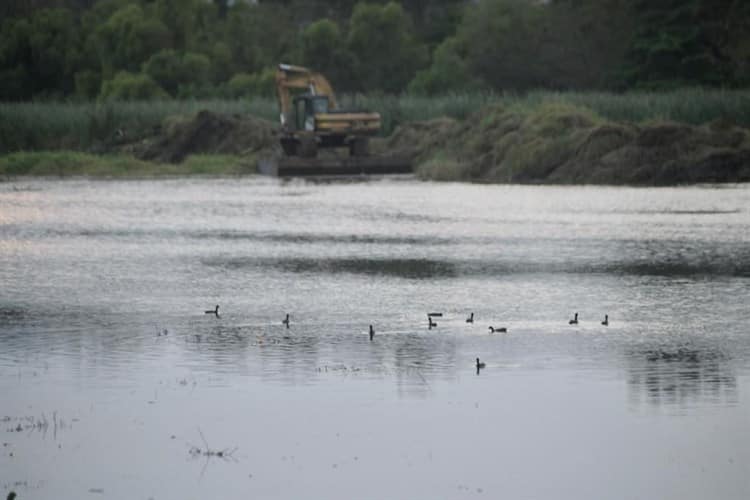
(19, 230)
(687, 212)
(402, 268)
(681, 258)
(670, 265)
(681, 377)
(411, 357)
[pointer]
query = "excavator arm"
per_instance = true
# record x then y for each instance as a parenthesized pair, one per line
(296, 77)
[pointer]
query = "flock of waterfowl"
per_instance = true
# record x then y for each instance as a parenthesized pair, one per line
(431, 324)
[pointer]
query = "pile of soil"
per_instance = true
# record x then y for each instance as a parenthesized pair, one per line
(416, 140)
(562, 144)
(551, 143)
(207, 133)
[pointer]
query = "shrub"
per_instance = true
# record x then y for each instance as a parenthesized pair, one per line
(252, 85)
(88, 84)
(172, 70)
(130, 87)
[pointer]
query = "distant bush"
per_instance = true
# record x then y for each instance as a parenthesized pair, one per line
(172, 70)
(131, 87)
(449, 72)
(386, 54)
(252, 85)
(128, 38)
(87, 83)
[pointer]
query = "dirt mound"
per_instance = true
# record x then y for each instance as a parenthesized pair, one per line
(208, 133)
(415, 140)
(549, 143)
(664, 154)
(561, 144)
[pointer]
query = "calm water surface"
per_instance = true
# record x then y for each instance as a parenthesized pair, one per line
(96, 401)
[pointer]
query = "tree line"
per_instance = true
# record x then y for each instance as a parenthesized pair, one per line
(139, 49)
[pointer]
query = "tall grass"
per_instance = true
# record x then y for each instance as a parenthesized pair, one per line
(693, 106)
(396, 110)
(89, 126)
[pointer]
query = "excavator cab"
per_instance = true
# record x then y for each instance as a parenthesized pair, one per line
(306, 107)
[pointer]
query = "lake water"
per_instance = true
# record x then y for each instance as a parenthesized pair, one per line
(115, 384)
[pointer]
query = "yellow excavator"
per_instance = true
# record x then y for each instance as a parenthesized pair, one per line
(311, 119)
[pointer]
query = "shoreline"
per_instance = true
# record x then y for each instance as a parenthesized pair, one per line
(45, 166)
(560, 144)
(549, 141)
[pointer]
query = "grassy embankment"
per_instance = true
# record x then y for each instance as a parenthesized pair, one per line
(76, 163)
(681, 137)
(83, 138)
(522, 132)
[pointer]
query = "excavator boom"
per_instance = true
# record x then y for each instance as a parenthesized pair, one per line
(297, 77)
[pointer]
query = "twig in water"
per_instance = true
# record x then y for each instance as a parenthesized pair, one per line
(208, 452)
(195, 451)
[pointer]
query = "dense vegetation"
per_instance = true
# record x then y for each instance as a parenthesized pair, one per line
(145, 49)
(91, 126)
(542, 137)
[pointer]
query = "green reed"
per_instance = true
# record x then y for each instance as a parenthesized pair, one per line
(90, 126)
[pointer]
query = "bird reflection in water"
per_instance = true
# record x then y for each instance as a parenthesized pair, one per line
(681, 376)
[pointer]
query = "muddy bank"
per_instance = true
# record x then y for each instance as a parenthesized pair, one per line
(562, 144)
(205, 132)
(548, 143)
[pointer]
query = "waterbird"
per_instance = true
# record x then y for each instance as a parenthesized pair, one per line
(285, 321)
(215, 311)
(470, 319)
(480, 364)
(372, 332)
(574, 321)
(502, 329)
(606, 320)
(430, 324)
